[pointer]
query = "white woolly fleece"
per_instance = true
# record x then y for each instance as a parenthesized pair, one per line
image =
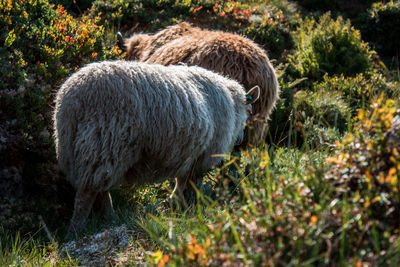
(127, 121)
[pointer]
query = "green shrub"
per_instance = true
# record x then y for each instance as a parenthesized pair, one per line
(329, 46)
(383, 28)
(272, 33)
(315, 112)
(358, 91)
(42, 44)
(325, 108)
(303, 116)
(317, 136)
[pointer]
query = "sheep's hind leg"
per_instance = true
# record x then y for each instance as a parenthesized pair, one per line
(84, 200)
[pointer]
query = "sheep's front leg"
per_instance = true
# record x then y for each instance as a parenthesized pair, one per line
(84, 200)
(105, 203)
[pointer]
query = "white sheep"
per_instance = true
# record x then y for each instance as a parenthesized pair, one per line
(121, 121)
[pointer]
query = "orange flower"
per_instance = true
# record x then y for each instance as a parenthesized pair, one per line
(197, 9)
(313, 220)
(215, 6)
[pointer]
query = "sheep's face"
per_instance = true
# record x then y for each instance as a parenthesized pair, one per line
(251, 97)
(239, 138)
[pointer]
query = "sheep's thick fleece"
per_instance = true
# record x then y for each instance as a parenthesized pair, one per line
(122, 121)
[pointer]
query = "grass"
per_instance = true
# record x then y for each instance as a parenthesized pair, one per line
(271, 207)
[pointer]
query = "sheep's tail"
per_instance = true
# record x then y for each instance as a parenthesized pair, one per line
(65, 128)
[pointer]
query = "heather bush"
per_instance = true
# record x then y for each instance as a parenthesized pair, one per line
(365, 169)
(329, 47)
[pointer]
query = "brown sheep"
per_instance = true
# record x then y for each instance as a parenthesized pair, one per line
(228, 54)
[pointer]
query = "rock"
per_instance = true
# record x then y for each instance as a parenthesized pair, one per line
(98, 249)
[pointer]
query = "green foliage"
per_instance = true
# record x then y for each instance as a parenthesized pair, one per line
(326, 108)
(40, 45)
(304, 116)
(153, 13)
(272, 33)
(360, 90)
(383, 27)
(329, 46)
(319, 117)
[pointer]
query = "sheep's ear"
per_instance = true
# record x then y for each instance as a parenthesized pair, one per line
(253, 95)
(120, 42)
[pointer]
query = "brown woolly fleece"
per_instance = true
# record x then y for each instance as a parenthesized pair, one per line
(229, 54)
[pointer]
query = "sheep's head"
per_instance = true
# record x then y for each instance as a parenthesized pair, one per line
(135, 46)
(251, 97)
